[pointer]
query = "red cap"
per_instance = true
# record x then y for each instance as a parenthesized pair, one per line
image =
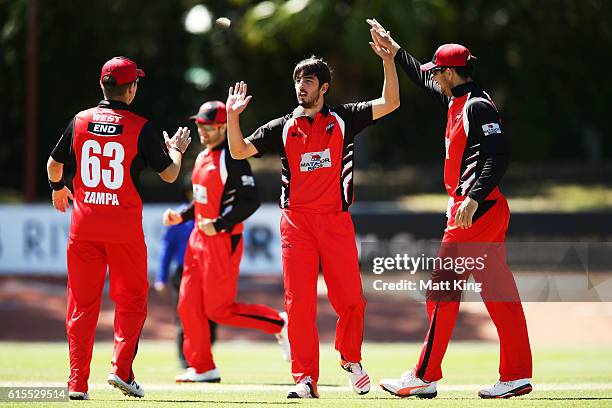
(449, 55)
(123, 69)
(211, 112)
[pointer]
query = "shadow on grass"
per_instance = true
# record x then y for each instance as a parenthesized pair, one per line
(225, 402)
(568, 398)
(511, 399)
(292, 384)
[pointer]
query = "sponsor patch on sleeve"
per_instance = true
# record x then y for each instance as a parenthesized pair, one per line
(247, 181)
(491, 129)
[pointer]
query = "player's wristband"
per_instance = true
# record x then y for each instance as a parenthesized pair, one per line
(57, 185)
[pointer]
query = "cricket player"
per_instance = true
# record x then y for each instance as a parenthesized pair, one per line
(108, 146)
(315, 143)
(477, 156)
(172, 253)
(224, 195)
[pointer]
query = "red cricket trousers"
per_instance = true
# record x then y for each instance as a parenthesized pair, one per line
(87, 265)
(208, 291)
(499, 293)
(326, 241)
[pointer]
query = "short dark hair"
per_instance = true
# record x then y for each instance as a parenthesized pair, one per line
(111, 90)
(313, 66)
(466, 72)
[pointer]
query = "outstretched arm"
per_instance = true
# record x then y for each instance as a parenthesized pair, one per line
(390, 99)
(409, 64)
(177, 146)
(237, 101)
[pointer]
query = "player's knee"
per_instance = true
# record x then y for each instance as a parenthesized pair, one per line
(357, 305)
(303, 306)
(219, 313)
(130, 303)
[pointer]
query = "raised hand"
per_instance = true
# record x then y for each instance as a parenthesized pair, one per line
(180, 141)
(378, 49)
(382, 37)
(375, 24)
(237, 99)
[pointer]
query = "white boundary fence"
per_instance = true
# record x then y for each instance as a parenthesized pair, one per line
(33, 239)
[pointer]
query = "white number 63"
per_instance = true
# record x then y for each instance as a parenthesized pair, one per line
(90, 164)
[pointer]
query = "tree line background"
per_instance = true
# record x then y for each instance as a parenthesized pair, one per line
(543, 62)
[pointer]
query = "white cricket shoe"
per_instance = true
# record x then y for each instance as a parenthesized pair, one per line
(409, 385)
(507, 389)
(304, 389)
(358, 378)
(77, 395)
(189, 376)
(131, 390)
(283, 338)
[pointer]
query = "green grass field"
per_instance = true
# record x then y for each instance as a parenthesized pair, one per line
(254, 374)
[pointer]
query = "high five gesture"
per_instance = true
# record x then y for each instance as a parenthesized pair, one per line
(237, 99)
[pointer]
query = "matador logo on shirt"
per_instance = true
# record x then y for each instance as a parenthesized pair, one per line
(315, 160)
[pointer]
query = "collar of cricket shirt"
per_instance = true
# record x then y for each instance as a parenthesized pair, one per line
(299, 111)
(105, 103)
(463, 89)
